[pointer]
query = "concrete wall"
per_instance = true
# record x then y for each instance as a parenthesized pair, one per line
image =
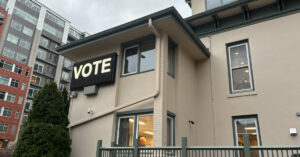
(274, 49)
(198, 6)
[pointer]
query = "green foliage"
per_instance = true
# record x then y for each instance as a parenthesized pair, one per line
(45, 134)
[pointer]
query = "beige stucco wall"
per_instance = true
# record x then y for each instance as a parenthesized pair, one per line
(198, 6)
(274, 49)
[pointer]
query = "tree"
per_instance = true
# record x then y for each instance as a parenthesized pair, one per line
(45, 132)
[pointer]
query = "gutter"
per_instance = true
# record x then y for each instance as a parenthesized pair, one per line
(137, 101)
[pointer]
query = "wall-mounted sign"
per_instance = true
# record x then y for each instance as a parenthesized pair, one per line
(96, 71)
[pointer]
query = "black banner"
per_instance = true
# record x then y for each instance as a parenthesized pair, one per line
(96, 71)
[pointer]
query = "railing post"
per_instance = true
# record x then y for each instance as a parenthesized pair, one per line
(246, 146)
(184, 145)
(99, 145)
(112, 152)
(135, 148)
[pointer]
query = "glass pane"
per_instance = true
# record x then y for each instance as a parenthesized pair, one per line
(126, 131)
(147, 55)
(238, 56)
(210, 4)
(145, 133)
(228, 1)
(131, 58)
(169, 132)
(246, 127)
(241, 79)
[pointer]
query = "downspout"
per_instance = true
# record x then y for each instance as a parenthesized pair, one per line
(141, 100)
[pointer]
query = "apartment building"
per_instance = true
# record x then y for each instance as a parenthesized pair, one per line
(230, 69)
(30, 33)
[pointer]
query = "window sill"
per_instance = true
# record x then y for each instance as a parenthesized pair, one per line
(234, 95)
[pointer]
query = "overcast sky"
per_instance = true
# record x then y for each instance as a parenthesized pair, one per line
(94, 16)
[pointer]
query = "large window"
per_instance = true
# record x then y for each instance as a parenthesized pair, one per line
(21, 58)
(25, 44)
(9, 53)
(45, 42)
(4, 80)
(38, 67)
(12, 38)
(7, 112)
(11, 98)
(35, 80)
(26, 16)
(55, 19)
(18, 69)
(247, 126)
(27, 31)
(75, 34)
(67, 63)
(2, 95)
(16, 25)
(139, 57)
(6, 65)
(65, 76)
(3, 128)
(42, 54)
(211, 4)
(31, 5)
(32, 92)
(53, 31)
(14, 83)
(240, 68)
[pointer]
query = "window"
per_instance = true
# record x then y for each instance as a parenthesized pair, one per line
(26, 16)
(32, 92)
(65, 76)
(18, 69)
(75, 34)
(4, 80)
(7, 112)
(5, 65)
(53, 31)
(16, 25)
(9, 53)
(240, 68)
(13, 129)
(14, 83)
(35, 80)
(17, 114)
(139, 58)
(20, 100)
(170, 131)
(135, 127)
(27, 106)
(55, 19)
(171, 58)
(3, 128)
(27, 72)
(25, 44)
(42, 54)
(39, 67)
(21, 58)
(11, 98)
(247, 125)
(31, 5)
(45, 42)
(3, 4)
(211, 4)
(12, 38)
(2, 95)
(67, 63)
(23, 86)
(27, 31)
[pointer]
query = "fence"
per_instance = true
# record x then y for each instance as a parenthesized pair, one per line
(199, 151)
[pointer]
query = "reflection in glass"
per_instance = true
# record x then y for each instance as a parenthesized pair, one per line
(126, 131)
(147, 58)
(238, 56)
(131, 60)
(241, 78)
(145, 130)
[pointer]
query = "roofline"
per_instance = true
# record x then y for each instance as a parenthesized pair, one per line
(218, 9)
(135, 23)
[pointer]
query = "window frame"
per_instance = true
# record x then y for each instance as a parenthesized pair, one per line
(230, 69)
(118, 128)
(136, 43)
(234, 128)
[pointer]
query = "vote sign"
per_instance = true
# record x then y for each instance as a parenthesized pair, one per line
(96, 71)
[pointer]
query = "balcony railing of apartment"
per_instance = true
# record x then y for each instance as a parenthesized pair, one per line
(199, 151)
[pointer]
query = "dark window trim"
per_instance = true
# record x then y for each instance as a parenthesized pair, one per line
(229, 67)
(135, 114)
(245, 117)
(136, 42)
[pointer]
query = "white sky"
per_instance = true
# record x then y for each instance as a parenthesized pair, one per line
(94, 16)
